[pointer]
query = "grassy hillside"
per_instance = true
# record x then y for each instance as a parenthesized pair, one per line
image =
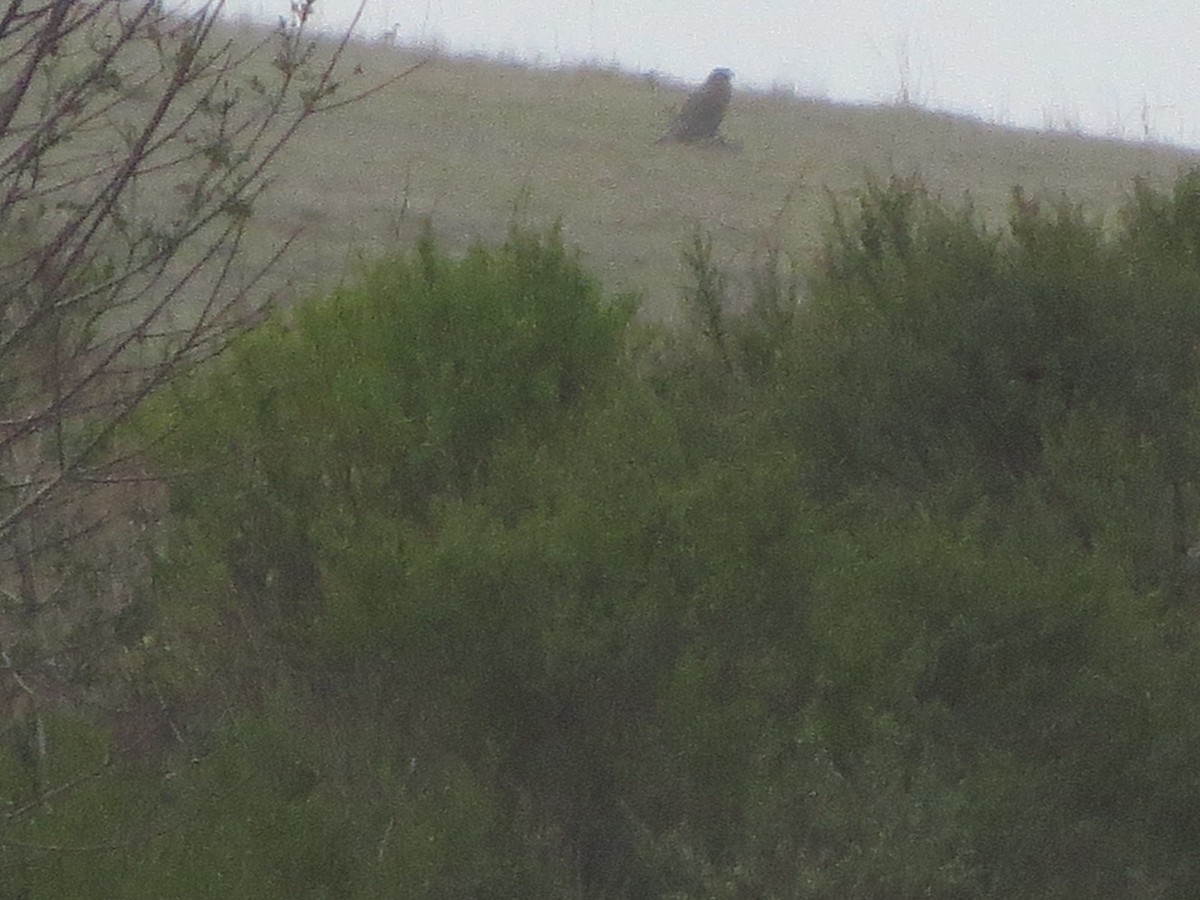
(466, 140)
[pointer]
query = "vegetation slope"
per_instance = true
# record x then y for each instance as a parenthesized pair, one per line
(469, 141)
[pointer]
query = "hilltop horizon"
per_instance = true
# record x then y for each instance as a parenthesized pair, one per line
(1108, 69)
(473, 143)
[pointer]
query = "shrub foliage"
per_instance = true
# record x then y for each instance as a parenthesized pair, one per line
(886, 590)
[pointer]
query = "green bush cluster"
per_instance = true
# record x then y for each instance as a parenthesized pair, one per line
(882, 588)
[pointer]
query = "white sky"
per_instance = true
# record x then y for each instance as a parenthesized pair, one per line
(1113, 67)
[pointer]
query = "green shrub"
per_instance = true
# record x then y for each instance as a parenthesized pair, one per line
(330, 513)
(888, 599)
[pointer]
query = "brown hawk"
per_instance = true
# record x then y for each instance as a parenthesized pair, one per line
(703, 110)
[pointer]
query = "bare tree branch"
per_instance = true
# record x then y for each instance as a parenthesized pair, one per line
(134, 145)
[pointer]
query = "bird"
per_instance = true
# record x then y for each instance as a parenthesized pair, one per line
(702, 111)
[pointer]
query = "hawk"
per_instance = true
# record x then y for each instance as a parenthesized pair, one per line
(702, 111)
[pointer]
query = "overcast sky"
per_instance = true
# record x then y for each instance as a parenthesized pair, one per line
(1112, 67)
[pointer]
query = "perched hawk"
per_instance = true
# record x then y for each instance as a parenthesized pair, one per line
(703, 110)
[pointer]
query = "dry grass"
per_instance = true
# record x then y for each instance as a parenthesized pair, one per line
(469, 141)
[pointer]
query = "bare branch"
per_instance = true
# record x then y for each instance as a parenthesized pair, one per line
(134, 145)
